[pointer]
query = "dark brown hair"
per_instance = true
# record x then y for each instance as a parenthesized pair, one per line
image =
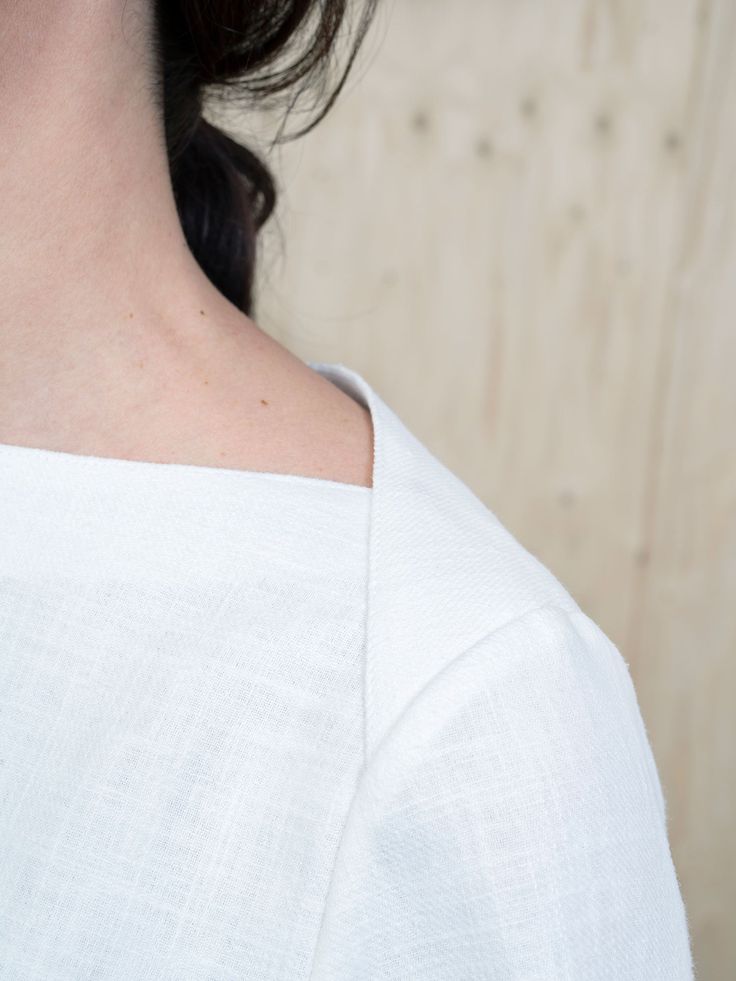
(225, 191)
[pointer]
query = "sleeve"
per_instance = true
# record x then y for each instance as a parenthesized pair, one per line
(511, 825)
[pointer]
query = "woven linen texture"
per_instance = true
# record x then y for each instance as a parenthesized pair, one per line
(266, 727)
(180, 719)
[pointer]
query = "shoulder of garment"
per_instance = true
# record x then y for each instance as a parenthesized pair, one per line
(508, 822)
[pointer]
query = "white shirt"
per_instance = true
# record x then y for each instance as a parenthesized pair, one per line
(261, 726)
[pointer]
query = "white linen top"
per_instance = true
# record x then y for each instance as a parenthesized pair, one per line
(270, 727)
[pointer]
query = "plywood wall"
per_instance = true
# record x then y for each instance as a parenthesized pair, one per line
(519, 223)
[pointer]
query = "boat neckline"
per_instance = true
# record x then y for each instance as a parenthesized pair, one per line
(26, 455)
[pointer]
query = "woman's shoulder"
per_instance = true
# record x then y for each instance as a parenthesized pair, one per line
(509, 812)
(511, 824)
(444, 571)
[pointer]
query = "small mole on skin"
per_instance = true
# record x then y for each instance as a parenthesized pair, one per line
(264, 402)
(202, 312)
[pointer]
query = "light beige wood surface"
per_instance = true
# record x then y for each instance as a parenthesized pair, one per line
(519, 223)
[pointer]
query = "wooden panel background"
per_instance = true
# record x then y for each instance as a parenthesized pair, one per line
(519, 223)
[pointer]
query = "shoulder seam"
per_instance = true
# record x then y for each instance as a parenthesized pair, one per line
(566, 609)
(368, 760)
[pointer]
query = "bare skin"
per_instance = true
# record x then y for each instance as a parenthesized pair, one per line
(113, 342)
